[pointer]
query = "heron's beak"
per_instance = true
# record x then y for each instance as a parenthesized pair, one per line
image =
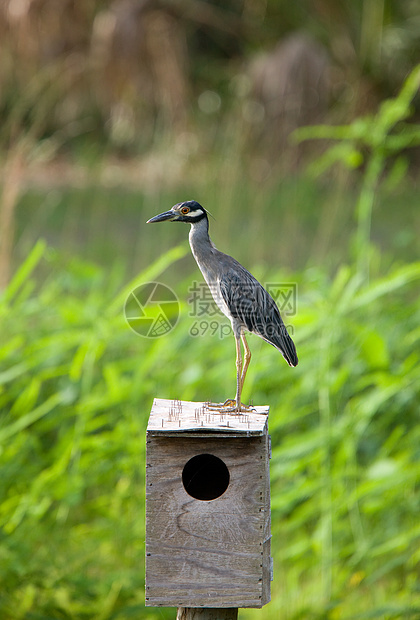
(163, 217)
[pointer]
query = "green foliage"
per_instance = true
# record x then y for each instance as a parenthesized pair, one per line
(73, 413)
(371, 140)
(76, 386)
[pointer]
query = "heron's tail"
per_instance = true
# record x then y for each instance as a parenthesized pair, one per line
(283, 342)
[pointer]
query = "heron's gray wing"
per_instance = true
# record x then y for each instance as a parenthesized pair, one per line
(251, 305)
(242, 295)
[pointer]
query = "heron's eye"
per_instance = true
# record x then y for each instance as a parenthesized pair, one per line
(184, 210)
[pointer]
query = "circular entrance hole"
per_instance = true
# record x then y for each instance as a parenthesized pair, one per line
(205, 477)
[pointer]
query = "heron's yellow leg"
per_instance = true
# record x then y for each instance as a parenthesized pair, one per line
(247, 359)
(242, 364)
(238, 373)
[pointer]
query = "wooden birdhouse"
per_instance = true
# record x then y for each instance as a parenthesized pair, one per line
(207, 507)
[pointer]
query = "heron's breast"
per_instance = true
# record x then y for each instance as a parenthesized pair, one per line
(213, 283)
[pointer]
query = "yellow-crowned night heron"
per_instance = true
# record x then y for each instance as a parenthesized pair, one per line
(238, 294)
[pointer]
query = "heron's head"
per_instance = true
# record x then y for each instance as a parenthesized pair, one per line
(190, 212)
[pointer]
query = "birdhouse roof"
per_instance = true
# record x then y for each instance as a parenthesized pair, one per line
(178, 417)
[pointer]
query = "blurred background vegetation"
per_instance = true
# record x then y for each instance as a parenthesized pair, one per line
(297, 125)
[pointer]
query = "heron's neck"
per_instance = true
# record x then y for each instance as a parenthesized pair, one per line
(200, 242)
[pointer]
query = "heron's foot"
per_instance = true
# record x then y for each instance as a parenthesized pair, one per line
(245, 408)
(230, 406)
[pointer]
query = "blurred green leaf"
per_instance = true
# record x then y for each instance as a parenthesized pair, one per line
(374, 349)
(25, 270)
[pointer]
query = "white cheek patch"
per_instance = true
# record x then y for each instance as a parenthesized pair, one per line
(195, 214)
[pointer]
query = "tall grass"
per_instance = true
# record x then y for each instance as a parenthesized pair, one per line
(74, 400)
(76, 387)
(371, 141)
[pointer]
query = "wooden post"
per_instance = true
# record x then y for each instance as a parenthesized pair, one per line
(206, 613)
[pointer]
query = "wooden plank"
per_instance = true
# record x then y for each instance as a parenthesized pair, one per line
(175, 417)
(266, 572)
(267, 561)
(267, 498)
(194, 613)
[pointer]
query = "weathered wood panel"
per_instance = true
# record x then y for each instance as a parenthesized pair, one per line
(212, 553)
